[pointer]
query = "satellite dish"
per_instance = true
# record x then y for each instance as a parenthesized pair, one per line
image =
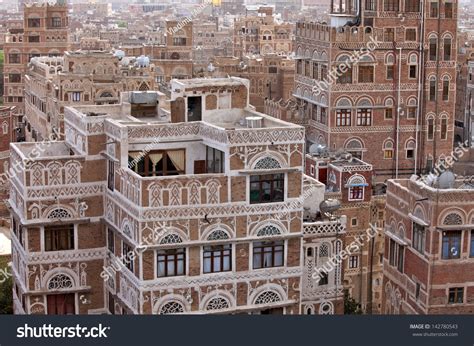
(446, 180)
(119, 54)
(329, 206)
(317, 148)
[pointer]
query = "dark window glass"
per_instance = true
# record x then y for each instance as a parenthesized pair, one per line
(34, 22)
(267, 188)
(412, 72)
(366, 74)
(356, 193)
(343, 117)
(430, 129)
(433, 49)
(323, 279)
(390, 5)
(268, 254)
(412, 5)
(410, 34)
(111, 175)
(346, 77)
(390, 72)
(418, 237)
(456, 295)
(110, 240)
(448, 10)
(364, 117)
(128, 256)
(217, 258)
(59, 238)
(171, 262)
(433, 9)
(451, 245)
(158, 163)
(471, 253)
(447, 49)
(214, 160)
(14, 58)
(432, 96)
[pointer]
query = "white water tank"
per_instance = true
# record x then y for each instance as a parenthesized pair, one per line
(254, 122)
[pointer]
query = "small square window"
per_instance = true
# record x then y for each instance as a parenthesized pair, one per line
(354, 221)
(456, 295)
(353, 262)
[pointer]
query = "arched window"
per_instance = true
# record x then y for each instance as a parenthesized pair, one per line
(433, 48)
(267, 231)
(410, 148)
(5, 128)
(444, 127)
(218, 303)
(430, 129)
(59, 213)
(355, 147)
(389, 111)
(267, 162)
(447, 49)
(218, 234)
(267, 297)
(171, 238)
(326, 308)
(364, 112)
(432, 88)
(445, 94)
(452, 219)
(106, 94)
(411, 108)
(59, 282)
(388, 149)
(172, 307)
(356, 185)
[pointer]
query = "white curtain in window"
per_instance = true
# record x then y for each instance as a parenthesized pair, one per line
(155, 158)
(178, 158)
(136, 156)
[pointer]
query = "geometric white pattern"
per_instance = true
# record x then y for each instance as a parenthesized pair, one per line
(60, 281)
(267, 297)
(218, 234)
(172, 238)
(171, 308)
(217, 303)
(268, 230)
(267, 163)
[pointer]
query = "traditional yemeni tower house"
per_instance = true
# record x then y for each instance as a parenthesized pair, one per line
(429, 248)
(78, 78)
(373, 108)
(349, 180)
(45, 33)
(261, 34)
(5, 139)
(144, 210)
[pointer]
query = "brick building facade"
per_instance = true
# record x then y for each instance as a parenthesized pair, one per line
(349, 181)
(45, 33)
(429, 249)
(375, 74)
(6, 129)
(261, 34)
(271, 76)
(78, 78)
